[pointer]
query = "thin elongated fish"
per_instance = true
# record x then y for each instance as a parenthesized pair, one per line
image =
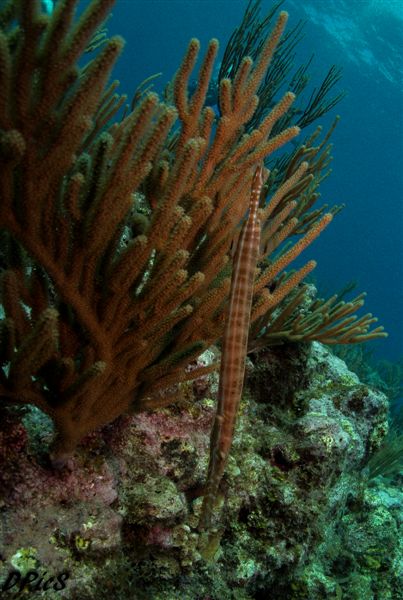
(234, 347)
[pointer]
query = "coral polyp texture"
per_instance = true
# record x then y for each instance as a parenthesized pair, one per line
(117, 233)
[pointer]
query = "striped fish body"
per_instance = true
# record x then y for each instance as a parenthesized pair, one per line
(234, 348)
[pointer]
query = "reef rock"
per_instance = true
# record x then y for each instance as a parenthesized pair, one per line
(122, 517)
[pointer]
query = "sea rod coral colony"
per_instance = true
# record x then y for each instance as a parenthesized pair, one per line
(104, 310)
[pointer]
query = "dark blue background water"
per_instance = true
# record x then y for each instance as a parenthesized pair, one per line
(365, 242)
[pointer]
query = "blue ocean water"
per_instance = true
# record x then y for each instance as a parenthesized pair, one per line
(365, 38)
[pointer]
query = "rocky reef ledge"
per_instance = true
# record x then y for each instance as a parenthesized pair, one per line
(296, 517)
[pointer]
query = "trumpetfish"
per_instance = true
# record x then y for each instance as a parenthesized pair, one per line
(234, 349)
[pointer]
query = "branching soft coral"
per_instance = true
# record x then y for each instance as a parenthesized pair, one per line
(105, 304)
